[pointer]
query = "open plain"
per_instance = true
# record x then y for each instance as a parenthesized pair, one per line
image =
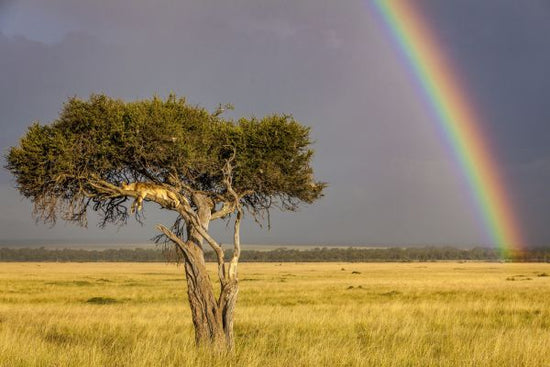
(289, 314)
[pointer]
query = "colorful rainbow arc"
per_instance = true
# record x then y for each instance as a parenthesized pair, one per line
(456, 117)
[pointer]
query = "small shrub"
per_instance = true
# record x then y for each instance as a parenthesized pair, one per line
(81, 283)
(101, 300)
(519, 277)
(391, 293)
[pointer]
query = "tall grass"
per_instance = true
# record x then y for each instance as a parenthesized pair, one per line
(414, 314)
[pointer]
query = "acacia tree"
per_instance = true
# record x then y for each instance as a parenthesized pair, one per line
(202, 166)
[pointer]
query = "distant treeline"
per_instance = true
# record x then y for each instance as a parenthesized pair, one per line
(351, 254)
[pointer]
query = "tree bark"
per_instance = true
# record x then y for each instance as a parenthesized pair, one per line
(228, 300)
(207, 319)
(205, 312)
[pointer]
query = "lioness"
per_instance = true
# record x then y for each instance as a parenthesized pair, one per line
(154, 191)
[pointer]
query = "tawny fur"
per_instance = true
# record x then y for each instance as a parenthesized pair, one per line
(150, 190)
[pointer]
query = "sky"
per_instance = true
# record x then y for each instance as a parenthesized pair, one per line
(333, 67)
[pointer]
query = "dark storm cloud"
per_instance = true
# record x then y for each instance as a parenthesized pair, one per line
(5, 6)
(391, 179)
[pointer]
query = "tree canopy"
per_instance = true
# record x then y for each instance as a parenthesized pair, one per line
(165, 142)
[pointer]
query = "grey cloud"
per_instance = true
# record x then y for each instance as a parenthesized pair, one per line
(391, 177)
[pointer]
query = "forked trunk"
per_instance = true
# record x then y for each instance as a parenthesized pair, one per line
(212, 319)
(207, 319)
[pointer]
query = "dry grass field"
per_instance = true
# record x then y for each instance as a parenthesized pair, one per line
(331, 314)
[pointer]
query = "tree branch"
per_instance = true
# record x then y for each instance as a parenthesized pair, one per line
(225, 210)
(228, 180)
(174, 238)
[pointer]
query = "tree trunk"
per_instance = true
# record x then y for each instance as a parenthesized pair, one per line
(228, 300)
(207, 318)
(213, 321)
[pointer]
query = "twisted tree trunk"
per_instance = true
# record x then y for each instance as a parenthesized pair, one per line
(212, 320)
(205, 312)
(207, 319)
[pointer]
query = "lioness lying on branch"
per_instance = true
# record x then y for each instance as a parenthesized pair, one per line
(154, 191)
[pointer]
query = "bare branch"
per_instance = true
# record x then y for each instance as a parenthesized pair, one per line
(174, 238)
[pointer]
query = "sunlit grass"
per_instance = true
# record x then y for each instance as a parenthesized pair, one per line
(405, 314)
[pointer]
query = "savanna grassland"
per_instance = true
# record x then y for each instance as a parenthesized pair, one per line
(309, 314)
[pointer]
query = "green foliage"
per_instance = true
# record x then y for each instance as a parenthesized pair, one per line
(166, 142)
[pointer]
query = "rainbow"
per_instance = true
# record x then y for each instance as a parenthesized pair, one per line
(455, 116)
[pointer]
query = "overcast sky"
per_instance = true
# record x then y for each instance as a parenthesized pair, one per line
(392, 180)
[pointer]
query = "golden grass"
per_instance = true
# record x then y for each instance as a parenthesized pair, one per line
(413, 314)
